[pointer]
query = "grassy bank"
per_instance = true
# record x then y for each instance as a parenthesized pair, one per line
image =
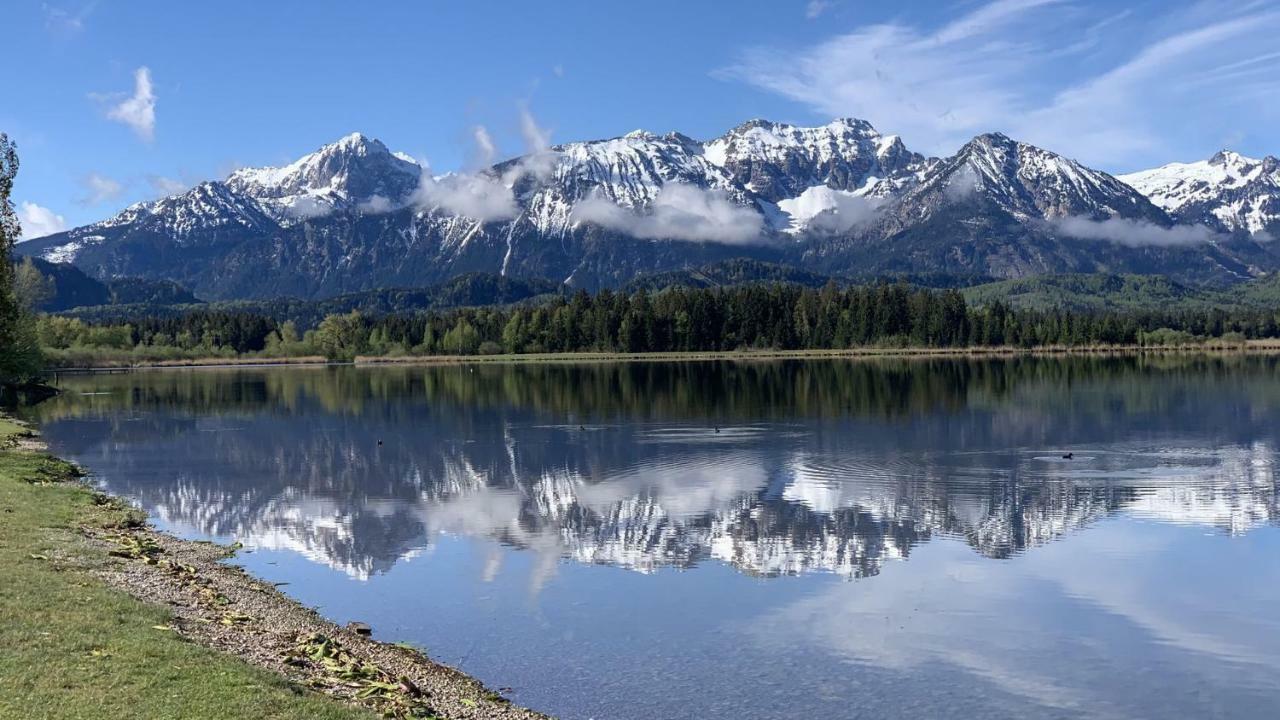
(105, 617)
(72, 647)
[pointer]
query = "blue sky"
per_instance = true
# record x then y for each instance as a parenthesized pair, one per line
(116, 102)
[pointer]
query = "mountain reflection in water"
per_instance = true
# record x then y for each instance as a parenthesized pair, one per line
(776, 468)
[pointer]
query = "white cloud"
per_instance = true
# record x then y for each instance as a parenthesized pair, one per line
(100, 189)
(165, 186)
(38, 221)
(936, 90)
(376, 205)
(815, 8)
(679, 212)
(481, 195)
(961, 184)
(536, 138)
(484, 145)
(540, 160)
(478, 196)
(139, 110)
(308, 208)
(65, 22)
(1134, 233)
(823, 210)
(1110, 115)
(1001, 67)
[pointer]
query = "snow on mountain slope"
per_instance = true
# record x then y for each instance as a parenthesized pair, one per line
(1229, 190)
(353, 215)
(628, 171)
(776, 161)
(343, 174)
(1031, 183)
(991, 210)
(790, 174)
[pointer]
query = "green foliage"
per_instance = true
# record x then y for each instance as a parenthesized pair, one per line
(32, 287)
(744, 317)
(20, 357)
(1101, 292)
(342, 337)
(1164, 336)
(136, 291)
(151, 300)
(70, 647)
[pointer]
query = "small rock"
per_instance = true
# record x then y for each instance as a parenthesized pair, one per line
(409, 687)
(360, 628)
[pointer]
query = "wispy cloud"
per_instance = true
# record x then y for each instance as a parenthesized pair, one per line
(539, 159)
(164, 186)
(1000, 67)
(484, 195)
(1134, 233)
(679, 212)
(99, 189)
(65, 22)
(377, 205)
(536, 137)
(815, 8)
(308, 208)
(935, 88)
(1110, 115)
(478, 196)
(485, 148)
(38, 221)
(138, 111)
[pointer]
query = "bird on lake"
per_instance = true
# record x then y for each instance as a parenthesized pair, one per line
(1068, 456)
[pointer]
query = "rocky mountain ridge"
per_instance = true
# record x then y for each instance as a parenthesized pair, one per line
(840, 199)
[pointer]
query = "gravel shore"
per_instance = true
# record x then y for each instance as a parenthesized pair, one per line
(223, 607)
(220, 606)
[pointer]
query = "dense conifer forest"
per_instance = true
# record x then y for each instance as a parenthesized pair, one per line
(750, 317)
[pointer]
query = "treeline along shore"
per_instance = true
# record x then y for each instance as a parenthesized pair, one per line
(762, 317)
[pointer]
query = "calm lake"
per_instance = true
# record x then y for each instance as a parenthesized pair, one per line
(825, 539)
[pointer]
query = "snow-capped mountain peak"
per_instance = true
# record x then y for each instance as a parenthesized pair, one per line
(1033, 183)
(777, 161)
(352, 170)
(1229, 191)
(848, 200)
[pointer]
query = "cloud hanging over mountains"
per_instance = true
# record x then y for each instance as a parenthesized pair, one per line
(477, 196)
(1134, 233)
(679, 212)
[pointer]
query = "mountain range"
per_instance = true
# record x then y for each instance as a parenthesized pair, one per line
(841, 200)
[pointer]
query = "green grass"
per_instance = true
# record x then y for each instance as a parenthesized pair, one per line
(71, 647)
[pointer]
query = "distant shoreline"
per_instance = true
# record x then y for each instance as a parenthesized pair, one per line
(1215, 348)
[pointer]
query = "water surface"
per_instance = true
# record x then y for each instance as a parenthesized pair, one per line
(834, 539)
